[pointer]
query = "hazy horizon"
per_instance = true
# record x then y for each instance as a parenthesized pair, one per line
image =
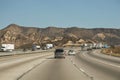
(59, 27)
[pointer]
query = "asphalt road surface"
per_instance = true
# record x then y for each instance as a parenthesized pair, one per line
(55, 69)
(12, 67)
(85, 65)
(98, 66)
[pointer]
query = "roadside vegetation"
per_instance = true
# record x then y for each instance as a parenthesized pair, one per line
(113, 51)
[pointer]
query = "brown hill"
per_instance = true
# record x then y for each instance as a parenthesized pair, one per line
(20, 35)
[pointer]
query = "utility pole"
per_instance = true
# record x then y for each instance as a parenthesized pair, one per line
(110, 41)
(110, 37)
(40, 38)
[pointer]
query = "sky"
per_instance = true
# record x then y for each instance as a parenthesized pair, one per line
(60, 13)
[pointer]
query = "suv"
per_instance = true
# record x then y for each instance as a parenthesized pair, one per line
(59, 53)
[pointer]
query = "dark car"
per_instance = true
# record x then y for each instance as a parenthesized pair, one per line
(59, 53)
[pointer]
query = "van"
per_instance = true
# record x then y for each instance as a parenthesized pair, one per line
(59, 53)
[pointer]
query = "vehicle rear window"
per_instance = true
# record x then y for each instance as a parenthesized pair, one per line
(59, 50)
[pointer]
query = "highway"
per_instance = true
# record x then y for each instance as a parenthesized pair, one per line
(85, 65)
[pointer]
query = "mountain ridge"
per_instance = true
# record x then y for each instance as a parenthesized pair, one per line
(21, 35)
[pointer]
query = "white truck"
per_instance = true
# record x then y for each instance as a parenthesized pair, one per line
(49, 46)
(7, 47)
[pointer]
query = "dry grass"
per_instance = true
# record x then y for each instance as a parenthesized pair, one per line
(114, 51)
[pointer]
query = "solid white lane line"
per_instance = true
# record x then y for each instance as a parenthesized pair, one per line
(104, 62)
(80, 69)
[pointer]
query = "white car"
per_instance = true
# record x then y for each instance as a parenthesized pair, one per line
(71, 52)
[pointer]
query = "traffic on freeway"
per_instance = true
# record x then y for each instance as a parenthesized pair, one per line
(58, 64)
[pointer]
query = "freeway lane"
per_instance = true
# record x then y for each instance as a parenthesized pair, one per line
(55, 69)
(98, 69)
(12, 67)
(109, 59)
